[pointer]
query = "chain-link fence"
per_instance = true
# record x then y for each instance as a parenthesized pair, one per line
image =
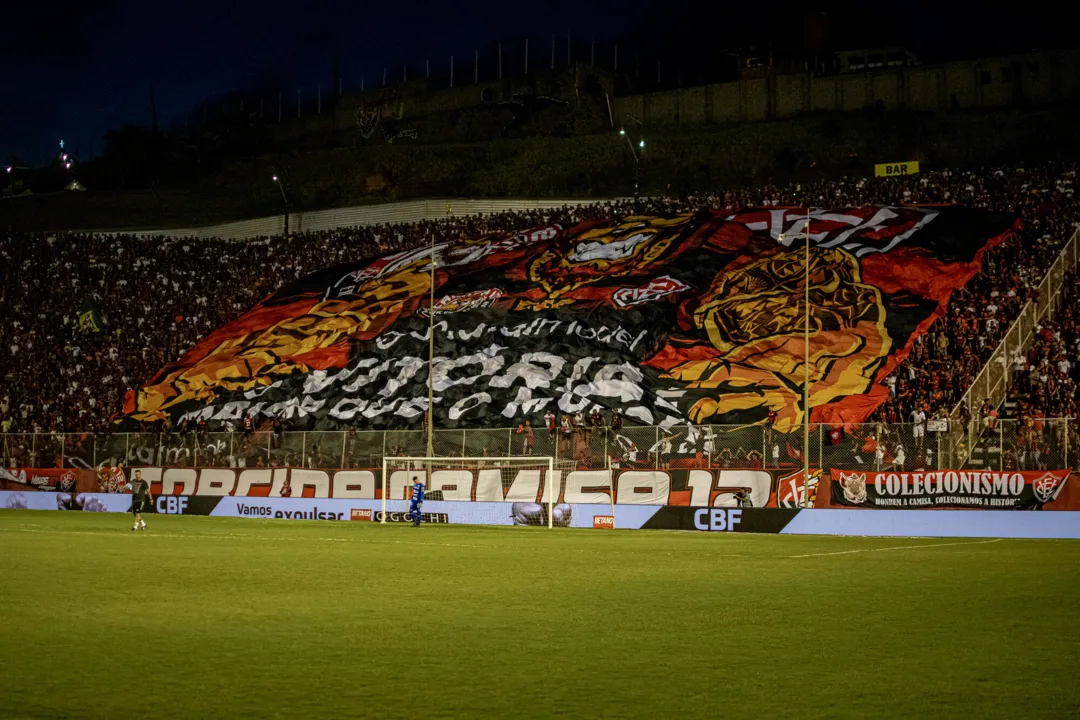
(989, 443)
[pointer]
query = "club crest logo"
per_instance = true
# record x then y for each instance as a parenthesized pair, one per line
(789, 492)
(1047, 487)
(854, 485)
(653, 290)
(474, 300)
(67, 481)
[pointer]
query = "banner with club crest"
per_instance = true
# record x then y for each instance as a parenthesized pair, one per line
(989, 490)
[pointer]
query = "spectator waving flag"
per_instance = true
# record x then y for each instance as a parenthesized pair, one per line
(90, 317)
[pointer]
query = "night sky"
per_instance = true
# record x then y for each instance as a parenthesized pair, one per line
(74, 70)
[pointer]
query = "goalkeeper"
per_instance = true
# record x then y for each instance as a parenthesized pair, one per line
(140, 499)
(415, 502)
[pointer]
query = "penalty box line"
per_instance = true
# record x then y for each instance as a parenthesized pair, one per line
(897, 547)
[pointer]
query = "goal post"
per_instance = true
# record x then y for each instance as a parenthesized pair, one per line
(521, 490)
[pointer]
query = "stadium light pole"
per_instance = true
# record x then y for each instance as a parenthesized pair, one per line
(806, 360)
(431, 352)
(637, 163)
(284, 199)
(806, 368)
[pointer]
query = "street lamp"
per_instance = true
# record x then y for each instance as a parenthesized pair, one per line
(285, 200)
(637, 163)
(11, 176)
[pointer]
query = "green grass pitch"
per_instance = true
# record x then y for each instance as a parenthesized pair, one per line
(236, 618)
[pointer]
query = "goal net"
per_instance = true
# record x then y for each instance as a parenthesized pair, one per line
(476, 490)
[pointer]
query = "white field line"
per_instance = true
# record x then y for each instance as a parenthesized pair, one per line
(897, 547)
(259, 536)
(374, 541)
(199, 536)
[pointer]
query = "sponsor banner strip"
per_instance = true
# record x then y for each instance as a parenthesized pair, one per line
(854, 522)
(714, 519)
(47, 479)
(681, 487)
(88, 502)
(944, 523)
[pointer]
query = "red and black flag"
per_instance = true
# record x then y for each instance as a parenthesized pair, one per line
(684, 318)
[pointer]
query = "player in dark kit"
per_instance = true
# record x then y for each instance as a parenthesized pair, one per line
(140, 499)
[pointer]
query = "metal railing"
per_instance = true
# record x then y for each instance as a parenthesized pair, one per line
(960, 445)
(993, 381)
(999, 444)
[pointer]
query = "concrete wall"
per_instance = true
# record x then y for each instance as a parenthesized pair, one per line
(987, 83)
(414, 99)
(1000, 82)
(364, 215)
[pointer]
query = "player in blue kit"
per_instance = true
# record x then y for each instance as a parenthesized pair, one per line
(416, 501)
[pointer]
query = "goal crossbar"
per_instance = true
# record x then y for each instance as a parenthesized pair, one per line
(429, 465)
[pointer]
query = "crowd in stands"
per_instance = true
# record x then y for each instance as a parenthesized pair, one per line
(1045, 379)
(158, 296)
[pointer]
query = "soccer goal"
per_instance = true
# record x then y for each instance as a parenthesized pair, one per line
(490, 490)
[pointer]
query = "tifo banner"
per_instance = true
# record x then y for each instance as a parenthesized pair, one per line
(686, 487)
(948, 488)
(683, 318)
(683, 487)
(47, 479)
(725, 487)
